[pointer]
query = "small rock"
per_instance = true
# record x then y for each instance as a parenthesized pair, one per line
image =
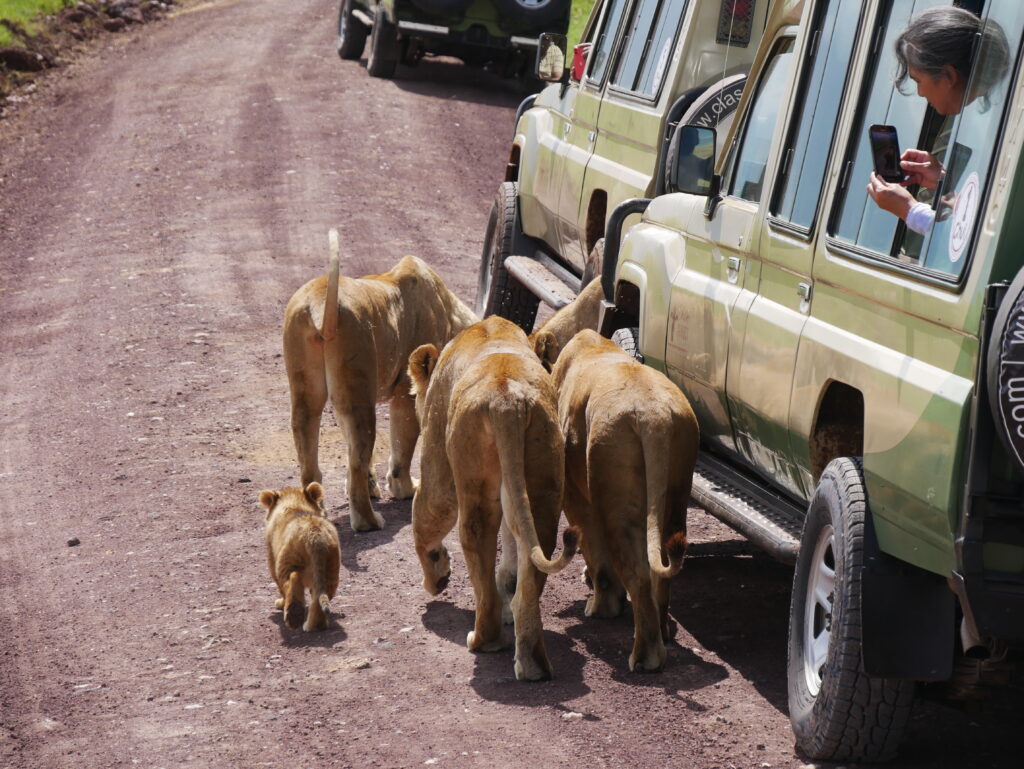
(114, 25)
(22, 60)
(74, 542)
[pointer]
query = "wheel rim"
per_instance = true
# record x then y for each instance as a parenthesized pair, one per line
(532, 5)
(483, 286)
(341, 28)
(818, 608)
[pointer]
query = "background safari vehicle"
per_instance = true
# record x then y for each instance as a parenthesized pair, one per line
(596, 139)
(501, 33)
(860, 390)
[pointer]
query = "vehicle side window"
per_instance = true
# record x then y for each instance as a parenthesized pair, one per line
(964, 143)
(601, 54)
(747, 165)
(807, 150)
(972, 145)
(649, 46)
(859, 221)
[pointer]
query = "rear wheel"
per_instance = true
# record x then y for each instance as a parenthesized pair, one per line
(533, 13)
(838, 712)
(497, 292)
(351, 33)
(384, 50)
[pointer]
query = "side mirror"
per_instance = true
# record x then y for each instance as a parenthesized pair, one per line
(691, 166)
(551, 57)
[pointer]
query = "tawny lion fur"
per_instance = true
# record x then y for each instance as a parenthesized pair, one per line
(631, 442)
(303, 553)
(356, 355)
(581, 313)
(492, 456)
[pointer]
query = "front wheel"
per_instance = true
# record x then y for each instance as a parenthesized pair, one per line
(497, 292)
(351, 33)
(384, 49)
(838, 712)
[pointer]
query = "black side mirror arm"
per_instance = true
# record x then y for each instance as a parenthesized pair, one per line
(714, 196)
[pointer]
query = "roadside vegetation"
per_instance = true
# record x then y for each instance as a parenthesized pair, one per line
(25, 13)
(577, 20)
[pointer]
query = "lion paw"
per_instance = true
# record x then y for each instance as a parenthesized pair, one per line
(402, 487)
(437, 569)
(530, 669)
(362, 523)
(484, 646)
(374, 486)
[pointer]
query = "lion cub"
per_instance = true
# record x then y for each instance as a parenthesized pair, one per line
(492, 456)
(303, 553)
(630, 447)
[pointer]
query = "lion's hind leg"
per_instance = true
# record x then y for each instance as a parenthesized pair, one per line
(479, 519)
(404, 432)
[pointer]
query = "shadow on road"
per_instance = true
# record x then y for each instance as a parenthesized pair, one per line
(447, 78)
(397, 514)
(494, 672)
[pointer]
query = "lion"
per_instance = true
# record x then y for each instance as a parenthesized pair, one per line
(582, 312)
(357, 355)
(631, 443)
(492, 456)
(303, 553)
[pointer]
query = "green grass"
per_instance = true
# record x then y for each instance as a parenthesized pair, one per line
(577, 20)
(23, 11)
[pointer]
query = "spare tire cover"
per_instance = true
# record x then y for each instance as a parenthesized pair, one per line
(442, 7)
(533, 13)
(716, 108)
(1005, 370)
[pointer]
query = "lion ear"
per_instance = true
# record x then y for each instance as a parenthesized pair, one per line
(268, 499)
(314, 493)
(546, 346)
(421, 366)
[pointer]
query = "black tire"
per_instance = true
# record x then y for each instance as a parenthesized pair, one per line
(595, 260)
(442, 7)
(628, 339)
(497, 292)
(384, 47)
(533, 13)
(838, 712)
(351, 33)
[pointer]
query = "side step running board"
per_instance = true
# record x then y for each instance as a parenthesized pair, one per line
(544, 278)
(767, 519)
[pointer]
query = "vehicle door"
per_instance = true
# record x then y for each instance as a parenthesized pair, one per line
(778, 270)
(580, 129)
(622, 138)
(716, 282)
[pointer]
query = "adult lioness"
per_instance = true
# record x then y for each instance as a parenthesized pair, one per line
(630, 447)
(357, 355)
(492, 455)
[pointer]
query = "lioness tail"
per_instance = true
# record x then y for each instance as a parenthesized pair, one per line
(655, 442)
(510, 440)
(330, 323)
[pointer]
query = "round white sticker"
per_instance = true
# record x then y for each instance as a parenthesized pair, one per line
(964, 210)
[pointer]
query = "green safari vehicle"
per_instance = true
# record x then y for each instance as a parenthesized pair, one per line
(859, 386)
(497, 33)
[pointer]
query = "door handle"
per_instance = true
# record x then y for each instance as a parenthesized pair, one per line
(734, 264)
(566, 128)
(591, 136)
(804, 291)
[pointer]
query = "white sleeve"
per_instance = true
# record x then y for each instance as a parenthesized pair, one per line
(920, 218)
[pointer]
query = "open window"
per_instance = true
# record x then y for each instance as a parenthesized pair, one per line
(965, 144)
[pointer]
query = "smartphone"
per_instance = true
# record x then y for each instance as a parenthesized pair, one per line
(885, 148)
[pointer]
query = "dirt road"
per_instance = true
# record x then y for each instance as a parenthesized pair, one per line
(159, 202)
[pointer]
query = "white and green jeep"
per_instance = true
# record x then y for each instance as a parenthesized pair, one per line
(860, 388)
(598, 136)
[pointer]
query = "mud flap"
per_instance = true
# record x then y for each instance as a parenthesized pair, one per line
(908, 618)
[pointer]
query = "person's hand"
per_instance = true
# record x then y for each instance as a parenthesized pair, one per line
(890, 197)
(921, 168)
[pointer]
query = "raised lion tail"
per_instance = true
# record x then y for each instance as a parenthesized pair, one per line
(508, 424)
(330, 322)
